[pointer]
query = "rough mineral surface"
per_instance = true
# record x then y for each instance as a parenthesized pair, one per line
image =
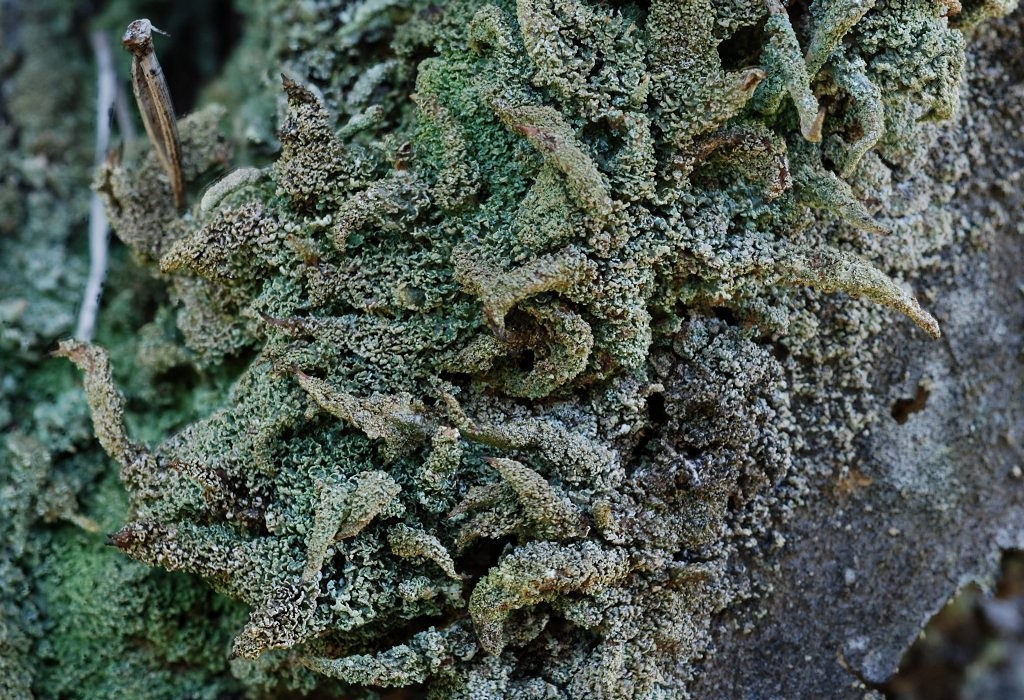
(564, 349)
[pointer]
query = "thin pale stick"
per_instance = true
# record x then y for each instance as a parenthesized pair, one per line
(99, 229)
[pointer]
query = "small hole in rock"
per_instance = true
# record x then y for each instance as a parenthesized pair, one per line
(743, 48)
(637, 10)
(457, 378)
(480, 556)
(723, 313)
(603, 138)
(903, 408)
(526, 360)
(780, 351)
(796, 9)
(656, 408)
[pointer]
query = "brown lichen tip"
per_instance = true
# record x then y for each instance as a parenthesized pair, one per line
(297, 92)
(155, 106)
(120, 539)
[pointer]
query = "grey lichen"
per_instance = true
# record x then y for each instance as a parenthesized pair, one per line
(536, 573)
(831, 271)
(482, 378)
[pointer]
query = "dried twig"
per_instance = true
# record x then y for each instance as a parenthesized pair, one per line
(99, 229)
(155, 104)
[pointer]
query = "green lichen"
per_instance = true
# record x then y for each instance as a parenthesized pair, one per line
(77, 618)
(536, 573)
(484, 432)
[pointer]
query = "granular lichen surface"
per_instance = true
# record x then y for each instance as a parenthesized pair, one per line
(504, 368)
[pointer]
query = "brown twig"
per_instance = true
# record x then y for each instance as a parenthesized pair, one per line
(155, 104)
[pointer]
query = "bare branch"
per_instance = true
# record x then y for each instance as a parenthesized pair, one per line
(99, 228)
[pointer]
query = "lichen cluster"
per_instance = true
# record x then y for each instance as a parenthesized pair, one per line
(509, 407)
(77, 618)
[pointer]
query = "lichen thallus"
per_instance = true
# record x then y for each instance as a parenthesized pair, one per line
(155, 103)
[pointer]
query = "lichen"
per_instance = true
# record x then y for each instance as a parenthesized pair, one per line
(77, 618)
(485, 432)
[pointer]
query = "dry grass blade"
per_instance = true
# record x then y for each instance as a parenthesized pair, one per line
(154, 101)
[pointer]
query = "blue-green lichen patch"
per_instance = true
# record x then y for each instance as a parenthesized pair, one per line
(493, 439)
(77, 618)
